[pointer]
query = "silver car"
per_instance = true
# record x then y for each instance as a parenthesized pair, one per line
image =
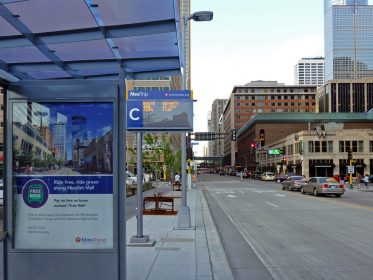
(293, 182)
(323, 185)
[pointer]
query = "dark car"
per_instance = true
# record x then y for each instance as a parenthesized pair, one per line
(293, 183)
(282, 177)
(257, 175)
(222, 172)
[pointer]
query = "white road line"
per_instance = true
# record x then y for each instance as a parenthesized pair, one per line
(264, 191)
(282, 195)
(272, 204)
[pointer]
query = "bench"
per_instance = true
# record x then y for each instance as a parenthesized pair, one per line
(132, 189)
(176, 186)
(159, 203)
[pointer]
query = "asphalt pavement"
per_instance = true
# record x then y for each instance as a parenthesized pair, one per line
(294, 236)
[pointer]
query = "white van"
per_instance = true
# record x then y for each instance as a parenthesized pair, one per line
(131, 179)
(268, 176)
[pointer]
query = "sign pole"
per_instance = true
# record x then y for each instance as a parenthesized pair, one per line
(140, 239)
(350, 178)
(183, 221)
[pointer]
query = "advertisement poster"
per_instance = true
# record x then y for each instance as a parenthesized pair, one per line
(63, 175)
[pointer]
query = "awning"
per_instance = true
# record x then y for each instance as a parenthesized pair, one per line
(54, 39)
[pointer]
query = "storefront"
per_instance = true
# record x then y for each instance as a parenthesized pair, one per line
(321, 168)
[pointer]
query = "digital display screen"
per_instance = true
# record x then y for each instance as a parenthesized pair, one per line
(160, 110)
(159, 115)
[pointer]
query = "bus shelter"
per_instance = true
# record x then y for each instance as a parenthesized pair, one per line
(63, 67)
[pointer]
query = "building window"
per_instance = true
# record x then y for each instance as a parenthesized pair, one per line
(371, 146)
(355, 146)
(317, 147)
(320, 146)
(360, 146)
(310, 147)
(330, 146)
(323, 147)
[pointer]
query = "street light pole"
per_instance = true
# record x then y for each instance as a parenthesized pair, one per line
(184, 221)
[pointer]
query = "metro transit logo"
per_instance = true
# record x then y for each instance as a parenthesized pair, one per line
(90, 240)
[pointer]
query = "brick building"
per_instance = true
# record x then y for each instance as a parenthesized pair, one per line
(272, 130)
(262, 97)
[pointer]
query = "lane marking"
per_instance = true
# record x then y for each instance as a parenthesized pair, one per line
(231, 195)
(282, 195)
(272, 204)
(264, 191)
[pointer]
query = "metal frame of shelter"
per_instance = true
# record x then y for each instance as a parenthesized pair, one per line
(49, 43)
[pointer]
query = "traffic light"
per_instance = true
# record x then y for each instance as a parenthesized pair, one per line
(253, 146)
(284, 161)
(349, 155)
(233, 134)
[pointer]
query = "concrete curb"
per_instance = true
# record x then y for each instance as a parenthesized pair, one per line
(218, 258)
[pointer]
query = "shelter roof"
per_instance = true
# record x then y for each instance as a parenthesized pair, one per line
(54, 39)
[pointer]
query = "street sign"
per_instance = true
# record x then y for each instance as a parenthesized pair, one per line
(159, 110)
(274, 151)
(350, 169)
(204, 136)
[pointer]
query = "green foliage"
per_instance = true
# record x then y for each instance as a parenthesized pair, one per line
(151, 158)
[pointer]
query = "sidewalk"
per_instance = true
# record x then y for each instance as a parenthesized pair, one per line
(178, 254)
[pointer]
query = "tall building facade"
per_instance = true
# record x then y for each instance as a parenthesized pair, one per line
(348, 39)
(262, 97)
(309, 71)
(209, 129)
(346, 96)
(216, 126)
(59, 130)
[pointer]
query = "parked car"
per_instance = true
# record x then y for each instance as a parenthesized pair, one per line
(1, 192)
(293, 183)
(131, 178)
(370, 178)
(323, 185)
(268, 176)
(256, 175)
(221, 172)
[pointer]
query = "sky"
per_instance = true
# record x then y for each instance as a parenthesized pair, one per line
(246, 41)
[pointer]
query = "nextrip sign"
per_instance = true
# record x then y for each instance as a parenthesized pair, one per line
(159, 110)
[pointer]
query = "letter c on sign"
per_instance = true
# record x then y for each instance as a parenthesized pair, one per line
(131, 114)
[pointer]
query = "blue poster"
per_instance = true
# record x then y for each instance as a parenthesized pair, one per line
(63, 171)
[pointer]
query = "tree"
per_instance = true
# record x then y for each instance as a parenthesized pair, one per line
(152, 162)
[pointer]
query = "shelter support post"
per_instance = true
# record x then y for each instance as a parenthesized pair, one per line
(140, 239)
(183, 214)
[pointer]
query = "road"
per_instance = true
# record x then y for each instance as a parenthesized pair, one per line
(269, 233)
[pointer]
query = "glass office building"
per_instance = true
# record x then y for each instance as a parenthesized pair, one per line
(348, 36)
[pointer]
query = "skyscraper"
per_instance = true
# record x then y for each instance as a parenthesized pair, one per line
(79, 133)
(309, 71)
(348, 39)
(59, 130)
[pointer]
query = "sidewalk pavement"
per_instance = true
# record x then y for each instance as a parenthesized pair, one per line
(178, 254)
